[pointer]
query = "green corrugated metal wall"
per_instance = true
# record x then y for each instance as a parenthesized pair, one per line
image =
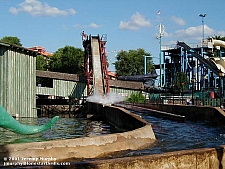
(18, 80)
(123, 92)
(64, 88)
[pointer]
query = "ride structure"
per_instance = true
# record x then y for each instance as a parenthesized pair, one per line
(95, 61)
(203, 64)
(147, 79)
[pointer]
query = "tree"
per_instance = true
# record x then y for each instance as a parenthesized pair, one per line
(136, 98)
(219, 37)
(181, 81)
(68, 60)
(41, 63)
(11, 40)
(132, 62)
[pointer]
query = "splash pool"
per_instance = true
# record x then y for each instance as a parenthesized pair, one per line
(170, 135)
(65, 128)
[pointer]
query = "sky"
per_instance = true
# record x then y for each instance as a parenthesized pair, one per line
(128, 24)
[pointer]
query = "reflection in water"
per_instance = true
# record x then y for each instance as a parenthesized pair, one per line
(95, 128)
(174, 136)
(170, 135)
(65, 128)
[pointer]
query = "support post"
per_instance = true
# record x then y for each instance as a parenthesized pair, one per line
(220, 88)
(192, 91)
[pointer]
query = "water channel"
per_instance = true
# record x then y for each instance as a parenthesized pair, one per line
(171, 135)
(64, 128)
(174, 136)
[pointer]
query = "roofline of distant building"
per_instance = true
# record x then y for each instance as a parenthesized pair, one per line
(17, 46)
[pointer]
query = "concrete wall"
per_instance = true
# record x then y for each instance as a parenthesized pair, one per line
(119, 117)
(205, 158)
(89, 147)
(202, 113)
(208, 158)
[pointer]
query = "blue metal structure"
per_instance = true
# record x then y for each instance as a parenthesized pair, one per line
(202, 65)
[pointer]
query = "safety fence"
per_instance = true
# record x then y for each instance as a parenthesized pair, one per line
(187, 100)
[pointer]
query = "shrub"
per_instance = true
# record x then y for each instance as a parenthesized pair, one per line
(136, 98)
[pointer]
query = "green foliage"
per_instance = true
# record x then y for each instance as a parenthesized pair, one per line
(132, 62)
(136, 98)
(68, 60)
(219, 37)
(11, 40)
(180, 81)
(41, 63)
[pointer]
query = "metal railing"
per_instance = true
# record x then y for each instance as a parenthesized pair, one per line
(186, 100)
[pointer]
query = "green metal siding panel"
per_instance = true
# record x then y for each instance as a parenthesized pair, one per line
(4, 82)
(45, 91)
(68, 88)
(3, 78)
(18, 82)
(79, 90)
(123, 92)
(64, 89)
(76, 89)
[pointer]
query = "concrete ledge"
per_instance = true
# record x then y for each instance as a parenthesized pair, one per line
(208, 158)
(196, 113)
(205, 158)
(139, 137)
(153, 112)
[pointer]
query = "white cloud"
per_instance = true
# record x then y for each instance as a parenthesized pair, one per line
(164, 35)
(195, 33)
(37, 8)
(189, 32)
(13, 10)
(164, 32)
(92, 25)
(178, 20)
(136, 22)
(65, 27)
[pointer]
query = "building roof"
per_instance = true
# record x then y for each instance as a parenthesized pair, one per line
(17, 47)
(41, 50)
